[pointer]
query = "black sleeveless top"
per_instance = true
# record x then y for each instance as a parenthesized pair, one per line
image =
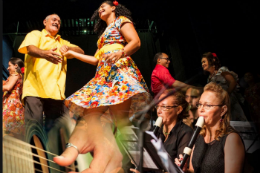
(209, 157)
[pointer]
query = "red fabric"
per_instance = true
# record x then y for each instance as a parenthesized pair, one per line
(160, 77)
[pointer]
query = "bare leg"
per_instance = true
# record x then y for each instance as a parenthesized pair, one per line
(121, 113)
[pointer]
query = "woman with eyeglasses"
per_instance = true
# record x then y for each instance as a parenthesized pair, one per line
(174, 134)
(218, 148)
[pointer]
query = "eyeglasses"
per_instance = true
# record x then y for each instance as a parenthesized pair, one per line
(165, 108)
(167, 59)
(206, 106)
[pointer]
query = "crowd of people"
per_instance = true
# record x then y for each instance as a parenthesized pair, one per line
(37, 86)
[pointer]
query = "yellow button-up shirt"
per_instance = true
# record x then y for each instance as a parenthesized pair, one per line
(41, 77)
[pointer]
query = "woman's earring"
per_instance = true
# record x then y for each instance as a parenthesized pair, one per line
(15, 71)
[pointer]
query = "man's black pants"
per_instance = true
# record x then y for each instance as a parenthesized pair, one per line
(35, 107)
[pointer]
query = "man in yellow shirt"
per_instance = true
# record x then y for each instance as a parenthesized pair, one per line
(45, 71)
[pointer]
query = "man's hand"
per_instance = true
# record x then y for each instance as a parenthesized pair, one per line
(52, 56)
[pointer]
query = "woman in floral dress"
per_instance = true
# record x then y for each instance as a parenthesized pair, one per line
(13, 111)
(118, 86)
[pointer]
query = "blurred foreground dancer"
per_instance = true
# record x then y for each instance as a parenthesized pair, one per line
(45, 72)
(13, 110)
(174, 134)
(218, 148)
(227, 79)
(116, 83)
(161, 76)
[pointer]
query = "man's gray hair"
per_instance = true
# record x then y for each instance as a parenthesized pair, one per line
(47, 17)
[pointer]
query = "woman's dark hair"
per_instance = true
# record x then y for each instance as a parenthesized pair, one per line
(181, 101)
(101, 25)
(212, 59)
(157, 56)
(19, 63)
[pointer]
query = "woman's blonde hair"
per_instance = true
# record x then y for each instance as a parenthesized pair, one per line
(224, 127)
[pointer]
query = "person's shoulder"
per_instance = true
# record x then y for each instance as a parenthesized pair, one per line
(161, 67)
(234, 140)
(35, 32)
(233, 137)
(123, 19)
(14, 76)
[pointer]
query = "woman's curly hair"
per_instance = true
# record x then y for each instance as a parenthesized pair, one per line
(101, 25)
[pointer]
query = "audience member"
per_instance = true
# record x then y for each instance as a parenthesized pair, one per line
(227, 79)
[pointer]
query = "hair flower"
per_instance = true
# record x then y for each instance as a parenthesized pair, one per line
(115, 3)
(22, 70)
(214, 55)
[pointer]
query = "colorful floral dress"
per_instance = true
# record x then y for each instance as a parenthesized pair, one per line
(13, 110)
(113, 83)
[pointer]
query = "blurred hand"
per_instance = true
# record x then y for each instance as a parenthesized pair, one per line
(64, 49)
(52, 56)
(68, 54)
(89, 136)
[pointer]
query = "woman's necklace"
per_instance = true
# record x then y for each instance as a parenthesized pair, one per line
(166, 133)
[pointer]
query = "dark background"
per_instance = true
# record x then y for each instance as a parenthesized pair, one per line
(184, 30)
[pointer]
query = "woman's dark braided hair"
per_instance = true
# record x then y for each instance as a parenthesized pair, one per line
(101, 25)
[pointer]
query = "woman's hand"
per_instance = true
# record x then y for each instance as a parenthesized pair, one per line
(178, 162)
(113, 57)
(68, 54)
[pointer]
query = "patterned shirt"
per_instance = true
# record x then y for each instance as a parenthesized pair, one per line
(41, 77)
